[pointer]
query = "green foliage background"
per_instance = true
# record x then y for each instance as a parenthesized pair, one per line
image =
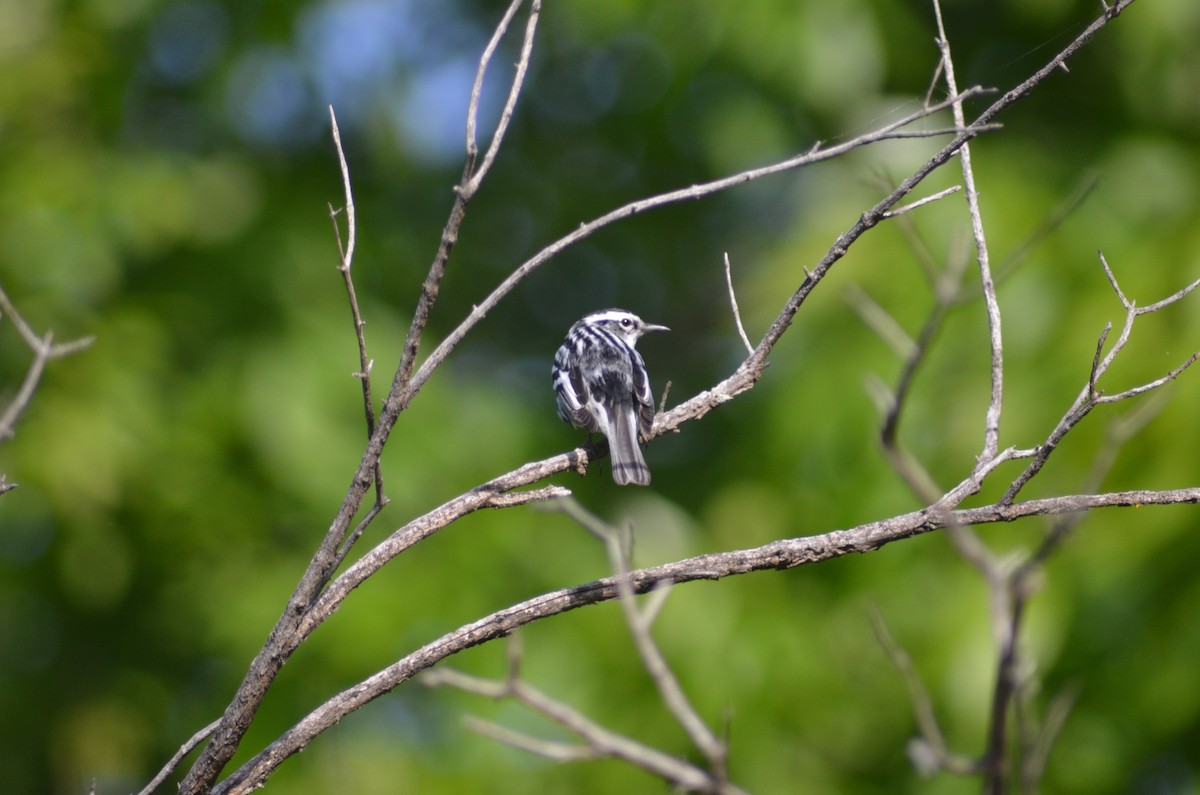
(165, 171)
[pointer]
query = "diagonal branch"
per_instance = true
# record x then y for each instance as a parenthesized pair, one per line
(287, 634)
(814, 155)
(782, 554)
(468, 185)
(283, 638)
(600, 742)
(670, 691)
(931, 753)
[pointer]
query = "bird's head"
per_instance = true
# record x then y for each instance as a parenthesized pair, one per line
(624, 324)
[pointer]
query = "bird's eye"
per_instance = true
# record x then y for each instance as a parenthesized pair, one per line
(626, 322)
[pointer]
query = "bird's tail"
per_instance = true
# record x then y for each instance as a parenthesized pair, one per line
(628, 466)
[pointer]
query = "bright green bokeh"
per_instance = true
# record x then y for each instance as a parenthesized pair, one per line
(176, 476)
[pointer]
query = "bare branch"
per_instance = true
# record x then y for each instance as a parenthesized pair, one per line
(285, 635)
(782, 554)
(480, 72)
(535, 10)
(401, 391)
(1155, 384)
(1145, 310)
(991, 442)
(933, 755)
(814, 155)
(179, 756)
(1170, 299)
(1113, 281)
(44, 350)
(24, 396)
(922, 202)
(35, 342)
(316, 597)
(548, 749)
(600, 742)
(1090, 396)
(652, 659)
(737, 316)
(346, 256)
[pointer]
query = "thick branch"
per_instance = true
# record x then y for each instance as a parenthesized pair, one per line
(783, 554)
(287, 633)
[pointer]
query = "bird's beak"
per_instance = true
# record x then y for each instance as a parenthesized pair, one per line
(651, 327)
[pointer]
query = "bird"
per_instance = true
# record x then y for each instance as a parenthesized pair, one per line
(601, 385)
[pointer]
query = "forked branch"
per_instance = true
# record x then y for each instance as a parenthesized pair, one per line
(781, 554)
(316, 597)
(598, 741)
(44, 349)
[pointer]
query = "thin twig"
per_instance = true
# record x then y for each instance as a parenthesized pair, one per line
(535, 10)
(928, 263)
(179, 756)
(1150, 385)
(1090, 396)
(35, 341)
(935, 746)
(652, 659)
(737, 315)
(991, 439)
(24, 396)
(302, 613)
(599, 741)
(922, 202)
(1056, 717)
(933, 82)
(285, 636)
(44, 349)
(346, 257)
(1112, 279)
(480, 72)
(814, 155)
(547, 749)
(880, 321)
(354, 534)
(400, 392)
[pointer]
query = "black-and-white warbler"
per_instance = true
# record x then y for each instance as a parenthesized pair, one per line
(601, 385)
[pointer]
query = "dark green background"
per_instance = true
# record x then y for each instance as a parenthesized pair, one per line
(164, 175)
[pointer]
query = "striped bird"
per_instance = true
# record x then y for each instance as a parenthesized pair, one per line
(601, 385)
